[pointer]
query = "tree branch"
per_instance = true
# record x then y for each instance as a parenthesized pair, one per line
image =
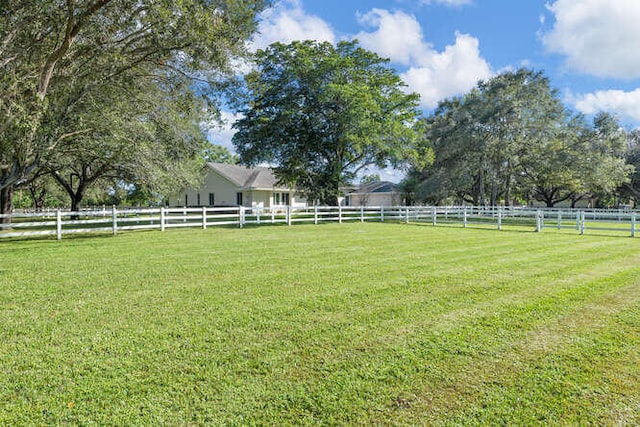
(67, 135)
(72, 29)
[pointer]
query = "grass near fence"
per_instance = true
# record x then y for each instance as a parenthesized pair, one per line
(328, 324)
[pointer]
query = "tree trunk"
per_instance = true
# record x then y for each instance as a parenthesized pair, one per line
(494, 194)
(482, 189)
(507, 197)
(39, 196)
(6, 204)
(331, 200)
(76, 198)
(635, 193)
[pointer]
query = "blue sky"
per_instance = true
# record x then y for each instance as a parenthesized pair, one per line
(441, 48)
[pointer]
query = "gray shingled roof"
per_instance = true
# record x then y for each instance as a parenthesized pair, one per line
(376, 187)
(247, 178)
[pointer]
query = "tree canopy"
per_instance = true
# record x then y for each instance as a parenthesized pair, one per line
(320, 113)
(219, 154)
(511, 138)
(56, 54)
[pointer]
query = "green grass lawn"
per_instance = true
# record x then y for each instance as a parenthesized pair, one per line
(329, 324)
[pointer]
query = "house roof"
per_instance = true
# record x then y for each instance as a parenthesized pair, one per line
(376, 187)
(257, 178)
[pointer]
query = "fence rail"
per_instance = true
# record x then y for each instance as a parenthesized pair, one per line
(59, 223)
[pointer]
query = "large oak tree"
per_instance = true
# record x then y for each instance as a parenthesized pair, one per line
(320, 113)
(53, 49)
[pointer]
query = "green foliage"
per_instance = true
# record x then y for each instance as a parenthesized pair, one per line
(139, 132)
(40, 192)
(368, 179)
(605, 165)
(631, 189)
(511, 138)
(320, 113)
(376, 324)
(218, 154)
(55, 55)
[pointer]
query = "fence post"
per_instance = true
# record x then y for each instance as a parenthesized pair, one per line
(464, 218)
(578, 221)
(633, 225)
(289, 215)
(258, 212)
(499, 218)
(204, 217)
(162, 218)
(339, 214)
(59, 224)
(406, 218)
(361, 213)
(381, 213)
(241, 216)
(559, 220)
(582, 226)
(114, 216)
(538, 221)
(315, 214)
(433, 215)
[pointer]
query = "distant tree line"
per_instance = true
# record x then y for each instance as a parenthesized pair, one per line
(510, 140)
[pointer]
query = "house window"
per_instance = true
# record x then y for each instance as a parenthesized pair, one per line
(212, 199)
(186, 200)
(239, 199)
(281, 199)
(198, 199)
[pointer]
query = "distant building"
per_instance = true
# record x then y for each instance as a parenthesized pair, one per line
(381, 193)
(234, 185)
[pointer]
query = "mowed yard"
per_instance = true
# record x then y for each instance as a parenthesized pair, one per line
(329, 324)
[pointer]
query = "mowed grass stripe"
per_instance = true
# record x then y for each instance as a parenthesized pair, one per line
(334, 324)
(587, 360)
(480, 331)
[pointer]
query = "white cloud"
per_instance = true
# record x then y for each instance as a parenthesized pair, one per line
(397, 36)
(221, 133)
(452, 72)
(288, 22)
(623, 103)
(434, 75)
(598, 37)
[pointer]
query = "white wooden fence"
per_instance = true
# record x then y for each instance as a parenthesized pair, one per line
(58, 223)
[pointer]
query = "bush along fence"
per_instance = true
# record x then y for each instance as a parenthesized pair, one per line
(58, 223)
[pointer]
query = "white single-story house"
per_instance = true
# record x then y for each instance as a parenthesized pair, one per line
(234, 185)
(381, 193)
